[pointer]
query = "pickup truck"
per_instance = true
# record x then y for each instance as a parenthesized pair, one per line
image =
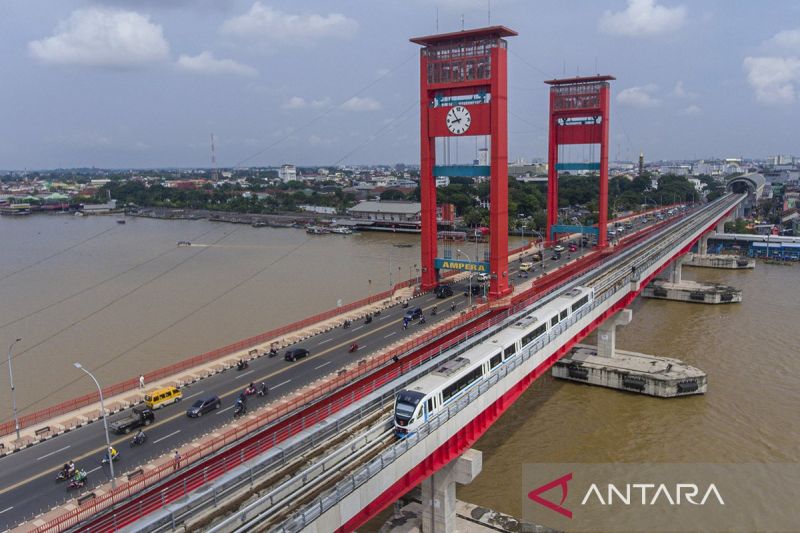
(139, 416)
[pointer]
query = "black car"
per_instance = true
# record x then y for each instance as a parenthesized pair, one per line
(295, 353)
(412, 314)
(476, 290)
(443, 291)
(556, 256)
(200, 407)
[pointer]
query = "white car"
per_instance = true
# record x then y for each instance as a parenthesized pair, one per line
(483, 276)
(558, 248)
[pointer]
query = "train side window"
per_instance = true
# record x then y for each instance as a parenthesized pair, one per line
(430, 405)
(495, 360)
(564, 314)
(511, 350)
(554, 321)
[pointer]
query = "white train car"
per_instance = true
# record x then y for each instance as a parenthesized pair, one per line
(424, 398)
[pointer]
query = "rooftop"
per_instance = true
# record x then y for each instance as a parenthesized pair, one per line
(490, 31)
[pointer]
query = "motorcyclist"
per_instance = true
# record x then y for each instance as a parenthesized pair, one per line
(354, 347)
(79, 476)
(139, 437)
(433, 311)
(111, 454)
(264, 390)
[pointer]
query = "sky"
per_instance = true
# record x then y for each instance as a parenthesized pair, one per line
(145, 83)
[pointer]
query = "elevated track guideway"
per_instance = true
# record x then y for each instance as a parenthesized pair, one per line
(341, 487)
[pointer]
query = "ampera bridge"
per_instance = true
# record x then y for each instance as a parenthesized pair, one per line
(342, 435)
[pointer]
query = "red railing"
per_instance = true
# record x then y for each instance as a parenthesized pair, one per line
(133, 383)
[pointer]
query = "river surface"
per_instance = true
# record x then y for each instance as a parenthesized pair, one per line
(751, 413)
(125, 299)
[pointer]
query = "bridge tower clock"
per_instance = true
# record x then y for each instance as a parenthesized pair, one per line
(464, 92)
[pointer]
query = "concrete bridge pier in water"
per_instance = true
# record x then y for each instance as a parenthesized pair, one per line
(681, 290)
(727, 261)
(606, 366)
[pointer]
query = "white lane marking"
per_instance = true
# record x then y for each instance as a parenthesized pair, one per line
(323, 342)
(390, 334)
(385, 317)
(281, 384)
(323, 364)
(243, 375)
(94, 470)
(6, 510)
(358, 328)
(165, 437)
(195, 394)
(53, 453)
(223, 410)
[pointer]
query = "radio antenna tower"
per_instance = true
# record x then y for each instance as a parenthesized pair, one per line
(214, 175)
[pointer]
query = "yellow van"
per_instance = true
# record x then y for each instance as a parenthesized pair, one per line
(161, 397)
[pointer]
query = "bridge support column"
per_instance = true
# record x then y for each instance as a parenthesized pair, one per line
(607, 333)
(721, 226)
(702, 244)
(677, 269)
(439, 491)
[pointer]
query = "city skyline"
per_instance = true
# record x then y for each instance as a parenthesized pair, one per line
(124, 84)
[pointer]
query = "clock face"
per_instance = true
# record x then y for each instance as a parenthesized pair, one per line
(458, 119)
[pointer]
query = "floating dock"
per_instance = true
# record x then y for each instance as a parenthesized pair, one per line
(640, 373)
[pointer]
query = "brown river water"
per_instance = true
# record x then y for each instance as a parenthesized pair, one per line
(122, 299)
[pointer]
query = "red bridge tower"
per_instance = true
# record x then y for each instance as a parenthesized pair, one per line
(578, 115)
(464, 92)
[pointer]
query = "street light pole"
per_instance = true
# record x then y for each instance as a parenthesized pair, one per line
(13, 392)
(470, 277)
(105, 422)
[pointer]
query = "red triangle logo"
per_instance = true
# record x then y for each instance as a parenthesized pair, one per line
(535, 495)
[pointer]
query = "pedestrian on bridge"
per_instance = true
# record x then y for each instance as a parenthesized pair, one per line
(177, 459)
(141, 381)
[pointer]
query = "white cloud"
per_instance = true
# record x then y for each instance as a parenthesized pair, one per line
(269, 24)
(679, 91)
(787, 39)
(206, 63)
(643, 18)
(692, 110)
(773, 78)
(298, 102)
(102, 37)
(361, 104)
(638, 96)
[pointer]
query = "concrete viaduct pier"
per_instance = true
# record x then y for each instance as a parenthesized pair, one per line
(682, 290)
(606, 366)
(703, 259)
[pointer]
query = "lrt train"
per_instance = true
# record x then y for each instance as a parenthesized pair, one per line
(424, 398)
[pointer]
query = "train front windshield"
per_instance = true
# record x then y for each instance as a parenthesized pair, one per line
(405, 406)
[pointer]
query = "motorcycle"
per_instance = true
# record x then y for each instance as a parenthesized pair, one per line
(353, 348)
(263, 391)
(78, 483)
(405, 305)
(239, 410)
(368, 319)
(346, 324)
(249, 391)
(433, 311)
(273, 352)
(241, 365)
(64, 474)
(138, 439)
(105, 458)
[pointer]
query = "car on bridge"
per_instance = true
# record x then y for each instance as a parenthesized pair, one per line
(558, 248)
(296, 353)
(412, 314)
(483, 276)
(139, 416)
(203, 406)
(443, 291)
